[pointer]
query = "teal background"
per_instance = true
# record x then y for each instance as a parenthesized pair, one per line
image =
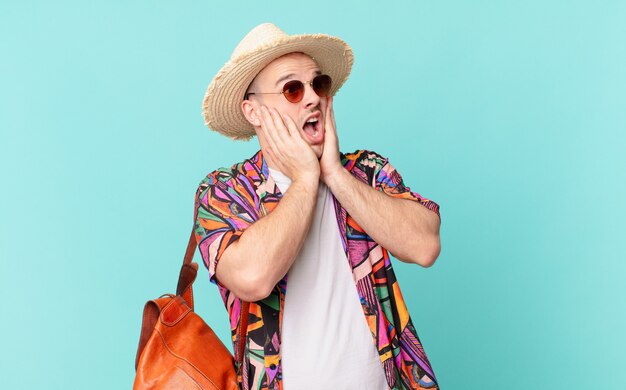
(510, 115)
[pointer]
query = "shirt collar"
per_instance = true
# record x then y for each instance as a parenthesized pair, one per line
(261, 163)
(261, 173)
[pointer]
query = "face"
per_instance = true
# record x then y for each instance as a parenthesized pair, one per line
(293, 66)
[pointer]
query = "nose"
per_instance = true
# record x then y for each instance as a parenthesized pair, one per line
(310, 99)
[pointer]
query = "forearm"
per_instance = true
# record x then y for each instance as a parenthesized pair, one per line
(407, 229)
(261, 257)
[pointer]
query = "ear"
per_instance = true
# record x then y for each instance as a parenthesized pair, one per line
(251, 111)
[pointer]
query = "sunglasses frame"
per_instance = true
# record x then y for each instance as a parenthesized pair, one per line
(301, 86)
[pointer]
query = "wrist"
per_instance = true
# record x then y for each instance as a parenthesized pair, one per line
(309, 180)
(334, 176)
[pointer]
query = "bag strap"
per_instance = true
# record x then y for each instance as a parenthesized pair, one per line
(187, 276)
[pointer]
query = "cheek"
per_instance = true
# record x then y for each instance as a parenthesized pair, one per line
(288, 110)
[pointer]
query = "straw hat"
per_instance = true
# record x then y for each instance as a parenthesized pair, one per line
(221, 106)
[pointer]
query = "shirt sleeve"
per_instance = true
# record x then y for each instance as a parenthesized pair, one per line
(390, 181)
(220, 219)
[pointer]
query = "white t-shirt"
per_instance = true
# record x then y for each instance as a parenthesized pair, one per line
(326, 342)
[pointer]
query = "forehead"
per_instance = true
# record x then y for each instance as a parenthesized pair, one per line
(292, 63)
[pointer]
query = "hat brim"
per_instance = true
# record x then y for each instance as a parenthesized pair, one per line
(221, 106)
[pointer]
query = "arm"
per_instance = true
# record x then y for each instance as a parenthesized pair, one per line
(252, 265)
(390, 216)
(249, 255)
(406, 228)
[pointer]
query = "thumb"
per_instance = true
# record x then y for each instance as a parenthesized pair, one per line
(328, 113)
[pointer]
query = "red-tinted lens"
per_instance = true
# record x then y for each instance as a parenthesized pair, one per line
(293, 91)
(321, 85)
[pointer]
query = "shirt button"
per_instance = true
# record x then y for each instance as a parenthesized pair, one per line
(272, 366)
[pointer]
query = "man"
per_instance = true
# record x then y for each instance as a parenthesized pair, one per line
(301, 214)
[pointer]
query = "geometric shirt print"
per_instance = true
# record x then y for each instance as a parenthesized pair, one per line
(228, 200)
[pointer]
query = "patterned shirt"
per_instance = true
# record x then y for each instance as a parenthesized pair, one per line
(228, 200)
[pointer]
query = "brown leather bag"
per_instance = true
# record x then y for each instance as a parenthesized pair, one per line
(177, 349)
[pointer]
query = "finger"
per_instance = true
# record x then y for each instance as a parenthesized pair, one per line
(281, 134)
(268, 130)
(328, 115)
(329, 102)
(291, 124)
(279, 124)
(332, 125)
(270, 125)
(331, 111)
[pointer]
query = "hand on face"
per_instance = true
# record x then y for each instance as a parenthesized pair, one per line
(330, 162)
(286, 147)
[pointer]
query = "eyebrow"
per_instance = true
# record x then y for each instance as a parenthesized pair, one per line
(291, 75)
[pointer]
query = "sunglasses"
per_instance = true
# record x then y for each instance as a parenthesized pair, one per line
(294, 90)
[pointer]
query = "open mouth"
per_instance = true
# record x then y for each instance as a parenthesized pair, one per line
(313, 128)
